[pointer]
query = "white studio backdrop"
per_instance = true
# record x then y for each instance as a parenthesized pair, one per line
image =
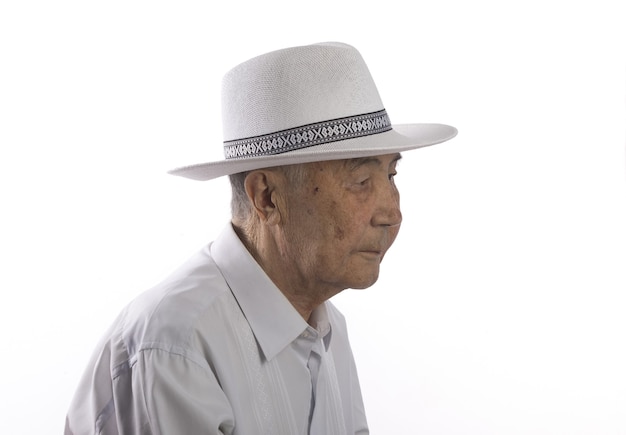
(500, 310)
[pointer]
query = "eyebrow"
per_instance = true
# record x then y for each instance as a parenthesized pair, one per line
(356, 163)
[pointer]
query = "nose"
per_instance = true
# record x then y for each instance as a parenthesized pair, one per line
(387, 212)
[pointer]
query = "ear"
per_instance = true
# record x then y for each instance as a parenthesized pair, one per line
(260, 187)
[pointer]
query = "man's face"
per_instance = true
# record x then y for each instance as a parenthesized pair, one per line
(340, 222)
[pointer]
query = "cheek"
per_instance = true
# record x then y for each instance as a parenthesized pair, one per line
(343, 221)
(339, 224)
(339, 233)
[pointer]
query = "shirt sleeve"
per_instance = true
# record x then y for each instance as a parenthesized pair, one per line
(167, 394)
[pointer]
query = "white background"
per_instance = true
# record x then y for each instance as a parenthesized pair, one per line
(500, 309)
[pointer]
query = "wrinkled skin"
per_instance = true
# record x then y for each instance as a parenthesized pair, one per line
(329, 233)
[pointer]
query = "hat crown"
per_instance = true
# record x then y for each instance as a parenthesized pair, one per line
(294, 87)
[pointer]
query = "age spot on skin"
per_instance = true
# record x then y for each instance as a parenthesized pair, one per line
(339, 233)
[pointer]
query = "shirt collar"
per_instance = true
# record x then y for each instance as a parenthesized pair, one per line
(321, 323)
(273, 320)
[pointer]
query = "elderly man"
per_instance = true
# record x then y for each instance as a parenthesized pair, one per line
(242, 338)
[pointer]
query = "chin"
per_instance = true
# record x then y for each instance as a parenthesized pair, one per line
(363, 284)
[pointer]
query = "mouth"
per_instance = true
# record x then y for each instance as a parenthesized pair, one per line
(372, 254)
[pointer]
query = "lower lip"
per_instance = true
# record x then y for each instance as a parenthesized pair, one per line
(371, 254)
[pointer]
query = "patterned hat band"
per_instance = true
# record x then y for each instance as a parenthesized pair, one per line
(308, 135)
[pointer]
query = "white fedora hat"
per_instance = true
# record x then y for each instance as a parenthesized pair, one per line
(305, 104)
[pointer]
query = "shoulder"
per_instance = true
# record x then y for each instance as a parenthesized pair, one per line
(171, 315)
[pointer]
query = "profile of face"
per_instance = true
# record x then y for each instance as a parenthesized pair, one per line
(338, 224)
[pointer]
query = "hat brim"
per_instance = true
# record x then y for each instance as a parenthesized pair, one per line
(402, 137)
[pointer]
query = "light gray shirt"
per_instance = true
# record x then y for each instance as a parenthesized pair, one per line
(218, 349)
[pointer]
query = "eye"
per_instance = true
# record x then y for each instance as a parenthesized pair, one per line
(360, 184)
(392, 174)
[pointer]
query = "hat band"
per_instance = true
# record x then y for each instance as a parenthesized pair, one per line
(308, 135)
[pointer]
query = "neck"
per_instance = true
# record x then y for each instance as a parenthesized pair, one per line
(303, 294)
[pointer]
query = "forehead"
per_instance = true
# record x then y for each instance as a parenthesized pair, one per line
(382, 161)
(310, 172)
